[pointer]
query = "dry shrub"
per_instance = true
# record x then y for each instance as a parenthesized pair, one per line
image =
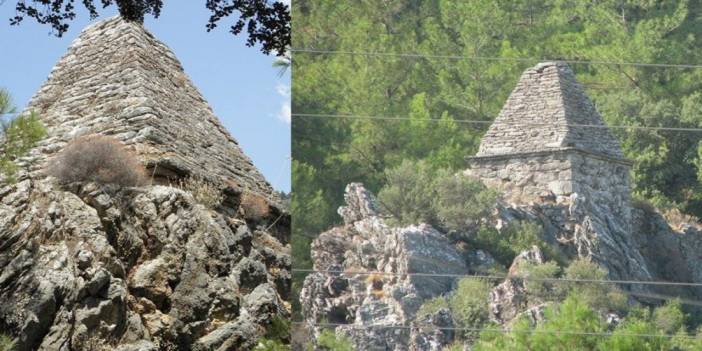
(378, 294)
(254, 206)
(679, 220)
(97, 158)
(203, 192)
(375, 281)
(373, 278)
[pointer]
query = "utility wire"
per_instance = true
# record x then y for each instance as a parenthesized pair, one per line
(503, 277)
(489, 58)
(554, 296)
(485, 122)
(495, 330)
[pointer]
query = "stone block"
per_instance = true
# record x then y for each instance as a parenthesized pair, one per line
(560, 187)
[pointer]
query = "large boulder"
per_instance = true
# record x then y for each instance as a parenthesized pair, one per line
(369, 273)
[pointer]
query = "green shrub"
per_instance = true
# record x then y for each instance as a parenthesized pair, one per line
(17, 136)
(575, 315)
(408, 193)
(432, 306)
(683, 341)
(601, 296)
(539, 289)
(20, 135)
(622, 338)
(665, 320)
(469, 304)
(329, 341)
(278, 329)
(6, 343)
(460, 200)
(505, 245)
(493, 340)
(571, 315)
(669, 318)
(456, 346)
(523, 235)
(416, 193)
(266, 344)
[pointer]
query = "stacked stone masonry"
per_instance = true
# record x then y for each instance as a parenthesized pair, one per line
(543, 142)
(548, 110)
(117, 79)
(542, 148)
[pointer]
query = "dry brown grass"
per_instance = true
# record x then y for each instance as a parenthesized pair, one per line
(679, 221)
(378, 294)
(97, 158)
(203, 192)
(375, 281)
(254, 206)
(373, 278)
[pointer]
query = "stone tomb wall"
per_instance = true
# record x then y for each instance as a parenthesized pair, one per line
(527, 176)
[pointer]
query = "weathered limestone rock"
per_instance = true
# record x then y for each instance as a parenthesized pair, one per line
(163, 273)
(359, 204)
(434, 332)
(365, 244)
(509, 298)
(386, 301)
(670, 254)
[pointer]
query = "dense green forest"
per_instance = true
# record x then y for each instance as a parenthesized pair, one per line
(330, 152)
(474, 53)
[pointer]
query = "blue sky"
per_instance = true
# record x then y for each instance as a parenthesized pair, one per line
(239, 82)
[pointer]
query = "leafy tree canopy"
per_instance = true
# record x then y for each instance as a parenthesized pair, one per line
(18, 135)
(331, 152)
(266, 23)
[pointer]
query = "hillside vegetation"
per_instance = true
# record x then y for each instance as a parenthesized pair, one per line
(470, 55)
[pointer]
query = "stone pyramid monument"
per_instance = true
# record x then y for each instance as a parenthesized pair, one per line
(117, 79)
(546, 111)
(550, 137)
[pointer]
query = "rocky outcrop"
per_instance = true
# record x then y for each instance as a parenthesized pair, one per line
(135, 268)
(344, 293)
(371, 278)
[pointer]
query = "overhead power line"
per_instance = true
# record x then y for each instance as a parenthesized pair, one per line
(503, 277)
(642, 295)
(494, 330)
(489, 58)
(485, 122)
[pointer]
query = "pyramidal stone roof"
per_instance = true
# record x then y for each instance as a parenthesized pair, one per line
(117, 79)
(546, 112)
